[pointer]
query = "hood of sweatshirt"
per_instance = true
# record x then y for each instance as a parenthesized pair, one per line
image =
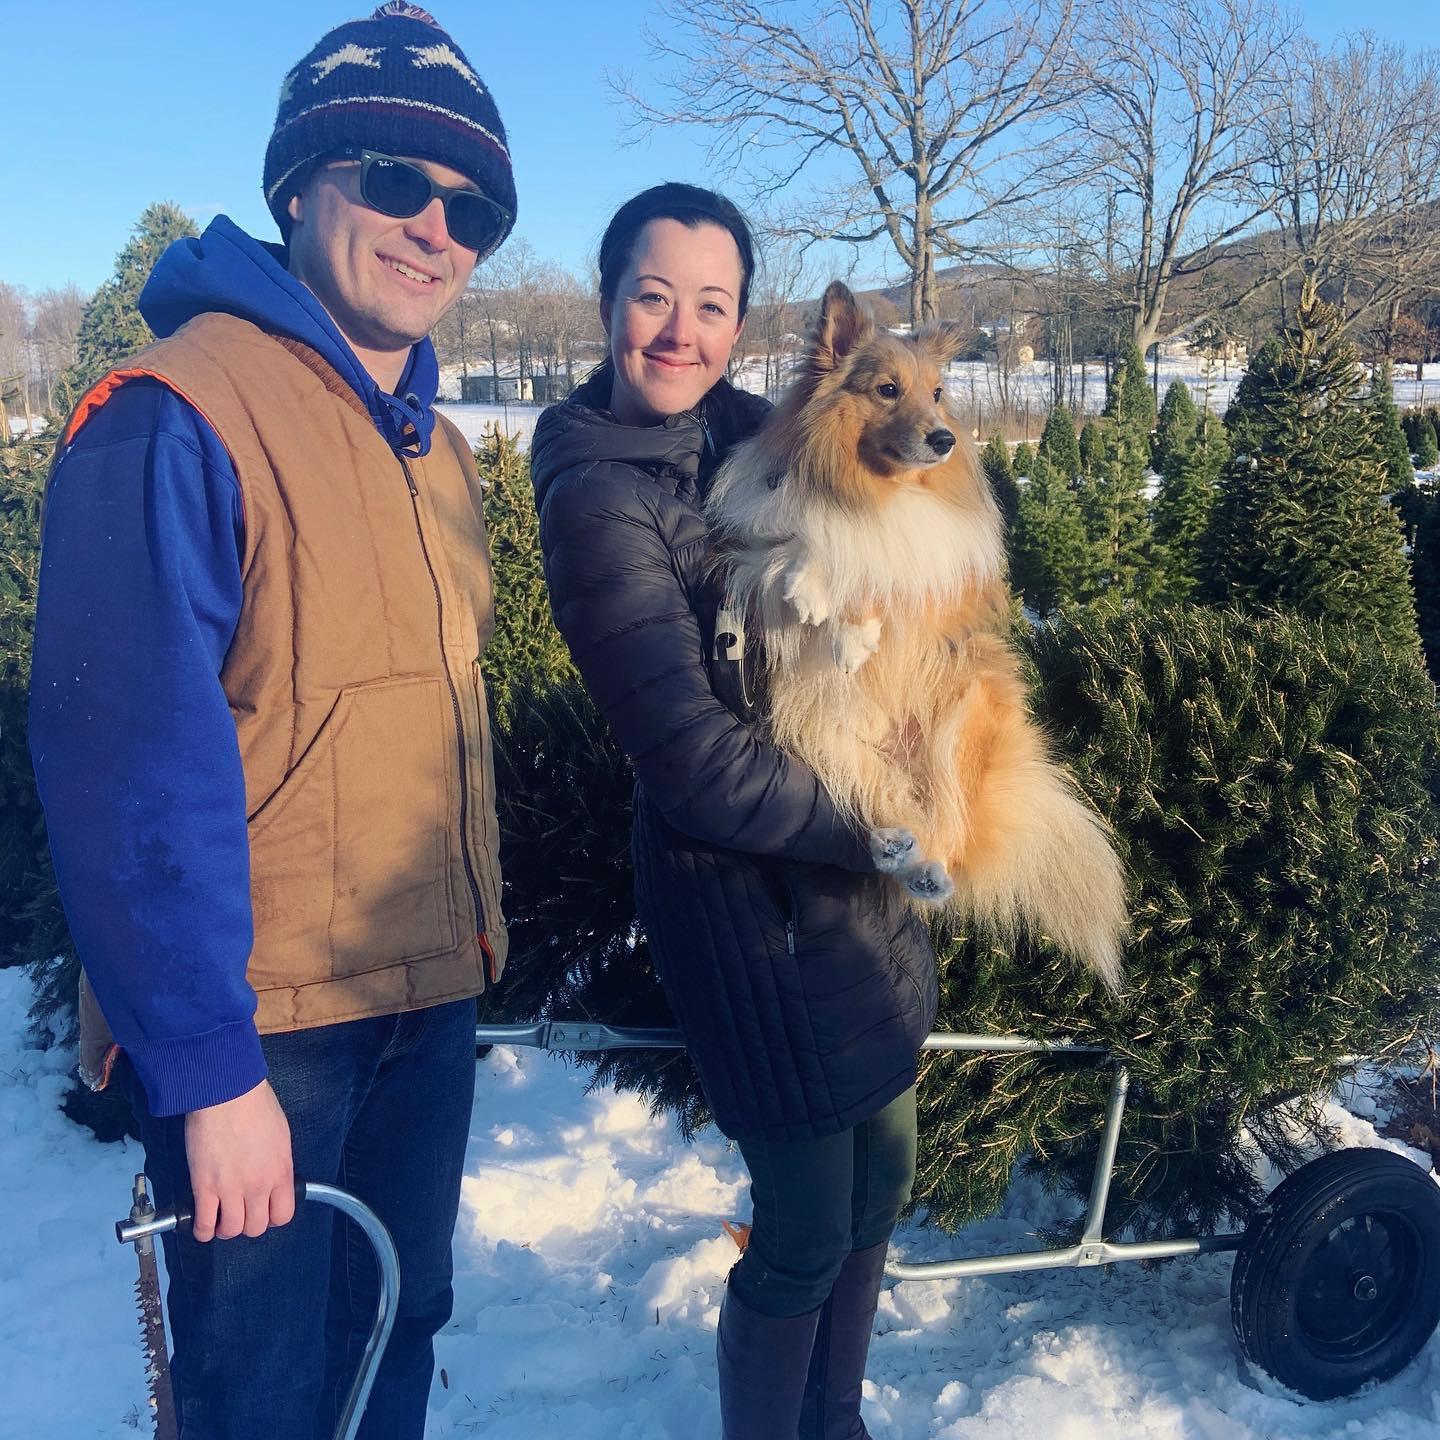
(228, 271)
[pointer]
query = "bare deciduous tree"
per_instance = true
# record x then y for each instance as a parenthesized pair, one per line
(916, 118)
(523, 317)
(499, 298)
(777, 318)
(1177, 97)
(1354, 161)
(53, 330)
(14, 354)
(563, 313)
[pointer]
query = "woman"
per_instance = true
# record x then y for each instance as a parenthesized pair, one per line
(803, 993)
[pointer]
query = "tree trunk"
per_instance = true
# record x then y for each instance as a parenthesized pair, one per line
(923, 298)
(923, 307)
(1392, 319)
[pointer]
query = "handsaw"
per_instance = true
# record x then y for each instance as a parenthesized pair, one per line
(152, 1316)
(143, 1225)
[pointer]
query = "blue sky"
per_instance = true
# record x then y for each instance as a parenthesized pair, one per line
(114, 105)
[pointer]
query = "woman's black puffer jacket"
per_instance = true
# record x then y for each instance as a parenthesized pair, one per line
(803, 989)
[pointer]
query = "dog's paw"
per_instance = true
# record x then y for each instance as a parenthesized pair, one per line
(807, 596)
(892, 849)
(855, 644)
(929, 882)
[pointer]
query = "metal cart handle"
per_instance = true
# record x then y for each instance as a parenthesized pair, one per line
(130, 1231)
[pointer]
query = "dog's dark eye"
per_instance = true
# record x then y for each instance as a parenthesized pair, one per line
(889, 390)
(938, 393)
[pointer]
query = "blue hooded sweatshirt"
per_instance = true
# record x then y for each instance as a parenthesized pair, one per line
(134, 749)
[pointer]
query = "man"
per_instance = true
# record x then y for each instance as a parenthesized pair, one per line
(259, 730)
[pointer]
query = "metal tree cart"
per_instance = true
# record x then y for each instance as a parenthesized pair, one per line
(1337, 1275)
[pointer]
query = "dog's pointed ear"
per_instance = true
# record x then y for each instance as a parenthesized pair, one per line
(942, 342)
(843, 323)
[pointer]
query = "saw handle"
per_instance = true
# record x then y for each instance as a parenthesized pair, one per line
(128, 1232)
(145, 1223)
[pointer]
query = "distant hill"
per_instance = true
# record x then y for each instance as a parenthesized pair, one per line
(983, 294)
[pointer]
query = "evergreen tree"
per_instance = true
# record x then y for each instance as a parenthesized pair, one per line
(995, 462)
(1284, 917)
(1024, 461)
(1114, 504)
(526, 642)
(33, 931)
(1425, 574)
(1182, 509)
(1129, 398)
(1089, 448)
(563, 794)
(1405, 494)
(1245, 408)
(111, 327)
(1059, 447)
(1399, 471)
(1176, 425)
(1049, 556)
(1277, 926)
(1427, 450)
(1301, 522)
(25, 875)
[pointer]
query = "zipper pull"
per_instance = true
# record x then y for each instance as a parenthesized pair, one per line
(409, 478)
(789, 937)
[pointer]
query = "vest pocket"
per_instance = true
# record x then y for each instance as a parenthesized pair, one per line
(350, 860)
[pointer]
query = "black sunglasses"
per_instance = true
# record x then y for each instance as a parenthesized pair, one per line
(398, 188)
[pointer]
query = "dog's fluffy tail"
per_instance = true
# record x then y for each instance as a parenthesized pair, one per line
(1047, 865)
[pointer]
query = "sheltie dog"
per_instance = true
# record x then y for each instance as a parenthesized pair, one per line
(859, 538)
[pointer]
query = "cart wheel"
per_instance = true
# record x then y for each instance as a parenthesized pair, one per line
(1337, 1280)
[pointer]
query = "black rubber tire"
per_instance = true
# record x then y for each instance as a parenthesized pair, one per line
(1337, 1281)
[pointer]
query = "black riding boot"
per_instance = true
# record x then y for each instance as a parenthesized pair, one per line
(763, 1362)
(831, 1409)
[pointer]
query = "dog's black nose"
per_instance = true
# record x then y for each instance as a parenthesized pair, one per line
(942, 442)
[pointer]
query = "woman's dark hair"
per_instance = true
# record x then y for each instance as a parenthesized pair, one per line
(688, 204)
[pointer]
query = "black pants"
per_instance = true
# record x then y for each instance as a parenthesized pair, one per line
(816, 1201)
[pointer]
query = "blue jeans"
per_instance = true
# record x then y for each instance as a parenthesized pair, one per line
(267, 1333)
(817, 1200)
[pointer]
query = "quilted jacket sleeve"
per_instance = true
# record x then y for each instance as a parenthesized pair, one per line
(615, 589)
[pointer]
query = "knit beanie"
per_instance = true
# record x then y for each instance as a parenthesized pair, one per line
(396, 83)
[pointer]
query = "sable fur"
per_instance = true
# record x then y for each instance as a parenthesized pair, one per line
(872, 560)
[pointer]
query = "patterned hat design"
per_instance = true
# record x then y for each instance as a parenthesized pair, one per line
(396, 83)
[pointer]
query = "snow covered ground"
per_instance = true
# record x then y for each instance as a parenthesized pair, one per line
(475, 420)
(975, 387)
(591, 1263)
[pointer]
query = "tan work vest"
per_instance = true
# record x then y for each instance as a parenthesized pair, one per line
(354, 683)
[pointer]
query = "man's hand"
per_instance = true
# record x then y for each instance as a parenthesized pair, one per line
(241, 1169)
